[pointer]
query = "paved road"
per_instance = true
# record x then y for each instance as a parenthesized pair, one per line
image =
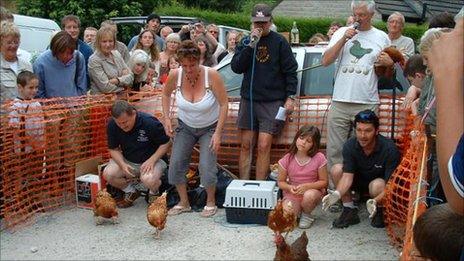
(72, 234)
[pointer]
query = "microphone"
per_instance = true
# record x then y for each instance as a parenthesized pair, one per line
(355, 25)
(250, 41)
(254, 39)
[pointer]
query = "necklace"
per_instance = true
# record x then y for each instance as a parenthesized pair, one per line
(193, 82)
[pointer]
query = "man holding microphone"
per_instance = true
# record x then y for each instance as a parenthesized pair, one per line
(357, 49)
(268, 86)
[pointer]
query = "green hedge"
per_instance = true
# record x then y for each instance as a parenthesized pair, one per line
(307, 26)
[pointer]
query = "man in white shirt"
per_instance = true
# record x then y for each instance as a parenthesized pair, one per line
(395, 25)
(357, 49)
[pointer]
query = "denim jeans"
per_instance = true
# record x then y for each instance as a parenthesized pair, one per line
(184, 140)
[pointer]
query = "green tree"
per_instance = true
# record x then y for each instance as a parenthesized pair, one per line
(90, 12)
(222, 5)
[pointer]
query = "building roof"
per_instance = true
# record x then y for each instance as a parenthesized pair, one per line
(417, 11)
(414, 11)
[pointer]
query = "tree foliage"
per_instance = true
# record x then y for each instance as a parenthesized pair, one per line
(217, 5)
(90, 12)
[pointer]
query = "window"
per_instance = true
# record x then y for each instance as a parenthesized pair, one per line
(317, 81)
(232, 80)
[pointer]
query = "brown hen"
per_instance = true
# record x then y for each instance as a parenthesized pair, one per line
(396, 56)
(105, 207)
(297, 251)
(157, 213)
(282, 219)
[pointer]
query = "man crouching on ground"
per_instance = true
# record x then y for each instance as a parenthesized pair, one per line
(137, 144)
(369, 159)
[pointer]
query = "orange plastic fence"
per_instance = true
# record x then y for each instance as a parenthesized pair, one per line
(41, 141)
(406, 191)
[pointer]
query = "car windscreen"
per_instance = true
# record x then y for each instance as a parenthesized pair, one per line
(41, 39)
(232, 80)
(319, 80)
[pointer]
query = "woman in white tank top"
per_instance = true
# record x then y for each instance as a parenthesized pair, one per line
(202, 110)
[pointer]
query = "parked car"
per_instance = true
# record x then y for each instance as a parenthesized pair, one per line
(224, 30)
(175, 22)
(35, 32)
(136, 23)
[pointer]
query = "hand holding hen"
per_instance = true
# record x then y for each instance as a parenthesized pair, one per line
(388, 71)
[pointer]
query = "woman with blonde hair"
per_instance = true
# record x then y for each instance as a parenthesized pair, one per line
(428, 111)
(427, 39)
(139, 63)
(172, 44)
(107, 70)
(10, 64)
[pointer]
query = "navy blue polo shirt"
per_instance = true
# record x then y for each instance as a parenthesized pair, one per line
(379, 164)
(141, 142)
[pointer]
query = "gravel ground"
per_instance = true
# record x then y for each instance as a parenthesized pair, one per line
(71, 234)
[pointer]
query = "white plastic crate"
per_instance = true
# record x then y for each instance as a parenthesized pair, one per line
(250, 201)
(251, 194)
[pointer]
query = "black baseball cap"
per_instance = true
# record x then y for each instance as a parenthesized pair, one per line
(151, 17)
(261, 13)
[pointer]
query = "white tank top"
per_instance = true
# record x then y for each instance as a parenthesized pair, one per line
(199, 114)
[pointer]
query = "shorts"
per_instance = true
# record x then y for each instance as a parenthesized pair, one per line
(161, 164)
(361, 185)
(263, 119)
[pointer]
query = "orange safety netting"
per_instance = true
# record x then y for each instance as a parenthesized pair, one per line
(406, 190)
(40, 144)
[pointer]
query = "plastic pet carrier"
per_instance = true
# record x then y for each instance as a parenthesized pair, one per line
(250, 201)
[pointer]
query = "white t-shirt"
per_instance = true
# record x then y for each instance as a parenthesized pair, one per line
(219, 49)
(356, 81)
(28, 118)
(13, 66)
(23, 54)
(405, 45)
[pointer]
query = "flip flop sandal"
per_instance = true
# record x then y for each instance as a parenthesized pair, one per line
(177, 209)
(208, 211)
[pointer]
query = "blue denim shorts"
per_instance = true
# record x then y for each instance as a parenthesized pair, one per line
(184, 140)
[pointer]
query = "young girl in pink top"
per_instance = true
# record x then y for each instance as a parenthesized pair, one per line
(303, 174)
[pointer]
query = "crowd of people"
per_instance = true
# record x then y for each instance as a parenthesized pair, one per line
(100, 63)
(358, 158)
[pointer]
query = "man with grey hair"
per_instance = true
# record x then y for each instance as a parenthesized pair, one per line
(357, 49)
(395, 25)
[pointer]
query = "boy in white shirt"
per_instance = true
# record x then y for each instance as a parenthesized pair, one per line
(26, 116)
